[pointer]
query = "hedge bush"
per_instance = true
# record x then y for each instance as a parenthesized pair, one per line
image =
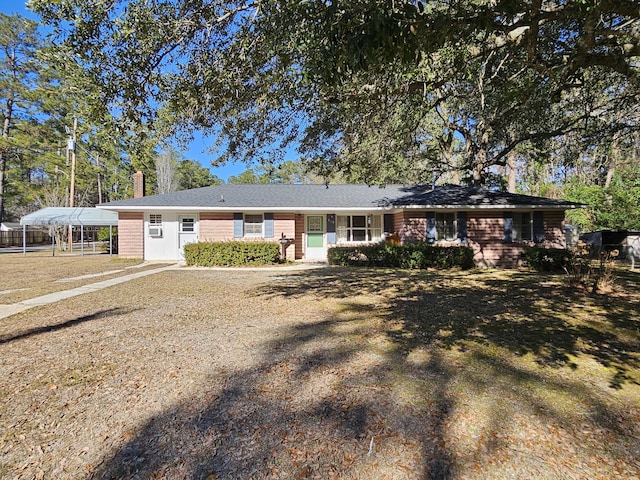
(412, 255)
(235, 253)
(546, 259)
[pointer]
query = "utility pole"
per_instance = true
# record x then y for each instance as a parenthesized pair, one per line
(99, 180)
(71, 148)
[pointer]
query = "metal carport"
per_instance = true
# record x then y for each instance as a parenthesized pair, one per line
(70, 216)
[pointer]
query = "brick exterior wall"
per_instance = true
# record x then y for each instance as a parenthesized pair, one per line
(216, 226)
(485, 231)
(398, 222)
(131, 235)
(285, 223)
(554, 234)
(411, 226)
(138, 185)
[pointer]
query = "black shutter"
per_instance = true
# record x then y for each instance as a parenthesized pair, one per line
(388, 223)
(462, 227)
(538, 227)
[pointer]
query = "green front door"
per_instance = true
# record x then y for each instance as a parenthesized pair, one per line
(315, 231)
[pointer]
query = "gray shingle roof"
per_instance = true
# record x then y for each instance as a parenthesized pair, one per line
(300, 197)
(456, 195)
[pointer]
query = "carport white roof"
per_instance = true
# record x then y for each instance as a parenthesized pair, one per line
(93, 217)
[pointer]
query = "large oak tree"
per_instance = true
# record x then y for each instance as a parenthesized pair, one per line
(382, 90)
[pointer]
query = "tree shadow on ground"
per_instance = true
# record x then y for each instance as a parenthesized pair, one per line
(307, 409)
(294, 415)
(526, 313)
(61, 326)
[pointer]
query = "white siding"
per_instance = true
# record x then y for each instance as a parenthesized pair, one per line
(166, 247)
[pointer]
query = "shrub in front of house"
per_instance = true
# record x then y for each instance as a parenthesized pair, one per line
(411, 255)
(582, 271)
(546, 259)
(231, 254)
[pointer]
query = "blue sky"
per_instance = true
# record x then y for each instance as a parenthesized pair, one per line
(197, 148)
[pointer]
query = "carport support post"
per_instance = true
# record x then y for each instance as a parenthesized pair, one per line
(110, 240)
(24, 240)
(53, 241)
(82, 240)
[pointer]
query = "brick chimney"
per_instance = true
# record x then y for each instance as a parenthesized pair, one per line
(138, 184)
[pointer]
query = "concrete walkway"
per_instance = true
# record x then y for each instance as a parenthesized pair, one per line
(12, 309)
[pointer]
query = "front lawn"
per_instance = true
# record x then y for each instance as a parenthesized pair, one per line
(329, 373)
(39, 273)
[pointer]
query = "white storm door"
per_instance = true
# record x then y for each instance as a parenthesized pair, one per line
(315, 247)
(187, 231)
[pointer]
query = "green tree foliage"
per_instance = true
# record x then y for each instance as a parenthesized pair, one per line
(173, 172)
(288, 171)
(249, 176)
(193, 175)
(18, 40)
(375, 89)
(611, 207)
(44, 92)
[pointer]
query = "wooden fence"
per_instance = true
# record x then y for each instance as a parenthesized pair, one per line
(14, 238)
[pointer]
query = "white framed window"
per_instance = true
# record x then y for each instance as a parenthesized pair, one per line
(522, 227)
(315, 224)
(446, 226)
(155, 225)
(253, 225)
(358, 228)
(187, 225)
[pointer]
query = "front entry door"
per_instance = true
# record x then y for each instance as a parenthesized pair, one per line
(187, 232)
(315, 238)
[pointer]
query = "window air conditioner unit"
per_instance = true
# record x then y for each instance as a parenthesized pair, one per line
(155, 231)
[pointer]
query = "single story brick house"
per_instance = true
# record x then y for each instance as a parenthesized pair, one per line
(496, 225)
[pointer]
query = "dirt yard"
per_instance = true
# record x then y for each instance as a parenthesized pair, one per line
(328, 373)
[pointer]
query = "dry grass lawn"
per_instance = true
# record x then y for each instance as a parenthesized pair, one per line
(39, 273)
(329, 373)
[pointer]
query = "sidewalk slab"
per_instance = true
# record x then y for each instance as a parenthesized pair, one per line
(8, 310)
(12, 309)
